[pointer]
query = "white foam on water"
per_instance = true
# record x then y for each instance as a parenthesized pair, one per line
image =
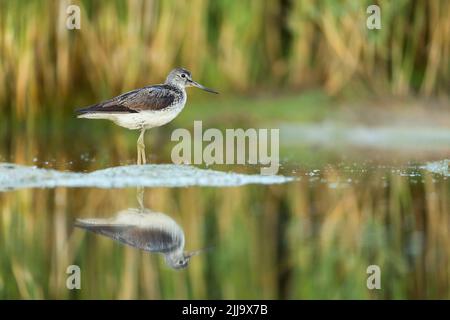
(14, 176)
(440, 167)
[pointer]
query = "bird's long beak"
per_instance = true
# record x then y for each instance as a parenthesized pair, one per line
(198, 85)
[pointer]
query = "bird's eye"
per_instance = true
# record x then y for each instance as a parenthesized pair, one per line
(183, 75)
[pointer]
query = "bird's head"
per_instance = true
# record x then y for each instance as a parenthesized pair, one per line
(180, 260)
(181, 77)
(178, 263)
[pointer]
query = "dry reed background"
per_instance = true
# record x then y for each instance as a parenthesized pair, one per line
(241, 45)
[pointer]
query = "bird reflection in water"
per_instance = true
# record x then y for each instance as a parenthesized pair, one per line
(146, 230)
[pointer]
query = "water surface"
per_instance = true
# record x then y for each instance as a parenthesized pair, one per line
(312, 236)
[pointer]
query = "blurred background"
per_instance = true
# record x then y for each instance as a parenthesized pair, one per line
(359, 111)
(242, 48)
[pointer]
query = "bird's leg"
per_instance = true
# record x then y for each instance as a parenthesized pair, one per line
(141, 148)
(144, 161)
(138, 151)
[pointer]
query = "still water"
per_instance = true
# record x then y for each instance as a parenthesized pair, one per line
(310, 233)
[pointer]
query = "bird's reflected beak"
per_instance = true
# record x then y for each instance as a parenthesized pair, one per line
(198, 85)
(194, 253)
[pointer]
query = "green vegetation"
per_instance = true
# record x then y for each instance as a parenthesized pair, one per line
(238, 47)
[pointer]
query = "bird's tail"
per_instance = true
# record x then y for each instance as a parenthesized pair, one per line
(88, 109)
(104, 107)
(90, 223)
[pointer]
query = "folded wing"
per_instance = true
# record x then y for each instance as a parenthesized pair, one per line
(149, 239)
(148, 98)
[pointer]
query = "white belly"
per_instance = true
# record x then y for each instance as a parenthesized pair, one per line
(139, 120)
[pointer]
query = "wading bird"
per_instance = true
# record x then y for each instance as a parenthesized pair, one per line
(146, 108)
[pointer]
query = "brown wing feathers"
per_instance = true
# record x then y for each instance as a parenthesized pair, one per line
(148, 98)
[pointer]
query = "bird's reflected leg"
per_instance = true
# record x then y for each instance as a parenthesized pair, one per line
(141, 148)
(140, 198)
